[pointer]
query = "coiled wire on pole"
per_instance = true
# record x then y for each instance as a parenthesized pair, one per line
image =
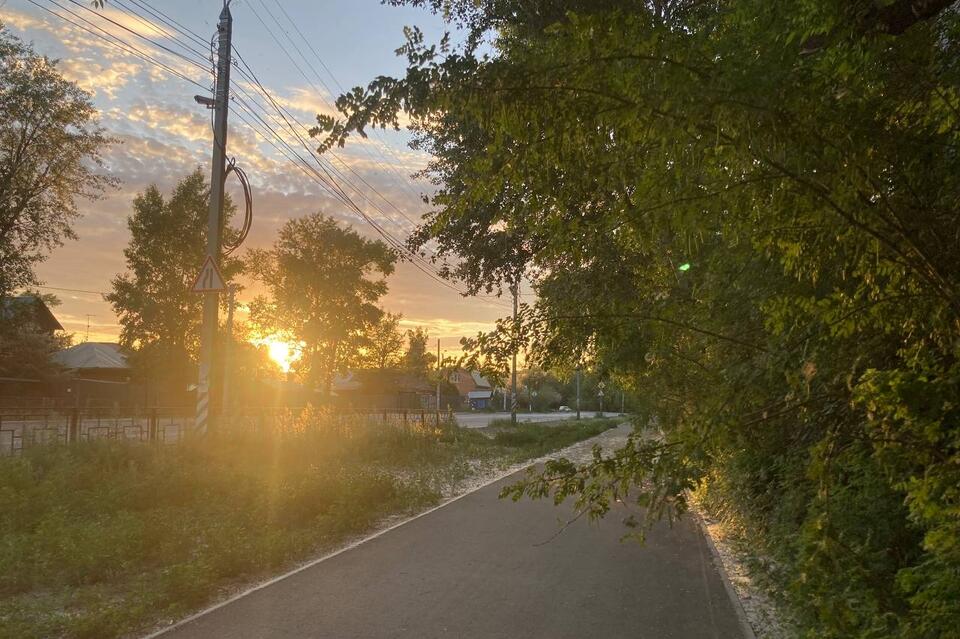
(228, 245)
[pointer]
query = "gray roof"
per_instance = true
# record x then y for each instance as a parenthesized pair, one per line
(479, 380)
(92, 355)
(480, 394)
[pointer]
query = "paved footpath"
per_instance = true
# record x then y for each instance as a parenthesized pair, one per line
(479, 568)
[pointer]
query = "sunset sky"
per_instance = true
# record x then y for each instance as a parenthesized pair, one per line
(164, 134)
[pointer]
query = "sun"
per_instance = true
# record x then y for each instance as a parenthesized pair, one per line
(282, 352)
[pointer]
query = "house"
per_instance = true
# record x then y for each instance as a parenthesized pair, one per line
(98, 375)
(99, 361)
(379, 389)
(475, 390)
(29, 308)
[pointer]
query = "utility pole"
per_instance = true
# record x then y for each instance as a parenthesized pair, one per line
(87, 337)
(228, 349)
(578, 391)
(621, 401)
(513, 384)
(439, 375)
(208, 332)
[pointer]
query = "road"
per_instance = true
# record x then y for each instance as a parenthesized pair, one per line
(479, 420)
(483, 568)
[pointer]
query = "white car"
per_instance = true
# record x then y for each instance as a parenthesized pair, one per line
(565, 409)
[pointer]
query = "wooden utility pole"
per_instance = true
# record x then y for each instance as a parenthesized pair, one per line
(578, 391)
(208, 332)
(439, 375)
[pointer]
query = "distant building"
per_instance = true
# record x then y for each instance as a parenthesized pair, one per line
(100, 361)
(98, 375)
(377, 389)
(475, 390)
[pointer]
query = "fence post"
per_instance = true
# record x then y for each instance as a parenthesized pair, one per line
(73, 428)
(152, 426)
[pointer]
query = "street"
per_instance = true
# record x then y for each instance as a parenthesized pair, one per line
(479, 420)
(481, 567)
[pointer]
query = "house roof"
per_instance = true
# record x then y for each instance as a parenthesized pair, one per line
(42, 314)
(480, 380)
(90, 355)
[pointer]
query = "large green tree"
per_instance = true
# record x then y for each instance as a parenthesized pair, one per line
(159, 314)
(50, 150)
(323, 282)
(748, 211)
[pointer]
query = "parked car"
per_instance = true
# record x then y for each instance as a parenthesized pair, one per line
(565, 409)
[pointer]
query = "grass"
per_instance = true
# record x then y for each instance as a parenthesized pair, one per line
(107, 538)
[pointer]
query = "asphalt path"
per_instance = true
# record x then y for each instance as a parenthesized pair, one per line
(481, 567)
(479, 420)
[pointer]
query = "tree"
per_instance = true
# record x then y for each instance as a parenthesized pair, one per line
(324, 282)
(754, 208)
(418, 358)
(159, 314)
(25, 348)
(383, 343)
(50, 147)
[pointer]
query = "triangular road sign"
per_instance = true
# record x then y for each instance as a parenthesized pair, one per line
(209, 280)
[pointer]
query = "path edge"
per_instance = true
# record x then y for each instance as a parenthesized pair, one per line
(748, 632)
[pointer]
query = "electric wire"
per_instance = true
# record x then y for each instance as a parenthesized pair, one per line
(299, 69)
(418, 260)
(150, 24)
(331, 187)
(403, 181)
(231, 245)
(142, 37)
(116, 42)
(170, 22)
(415, 258)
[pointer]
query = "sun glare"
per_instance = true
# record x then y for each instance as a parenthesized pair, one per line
(282, 352)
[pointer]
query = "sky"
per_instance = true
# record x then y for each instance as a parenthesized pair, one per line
(163, 134)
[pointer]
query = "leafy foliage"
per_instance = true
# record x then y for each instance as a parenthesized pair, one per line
(324, 282)
(383, 343)
(50, 147)
(800, 165)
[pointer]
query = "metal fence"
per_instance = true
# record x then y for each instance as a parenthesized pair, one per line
(21, 428)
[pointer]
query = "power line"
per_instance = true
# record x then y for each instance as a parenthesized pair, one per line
(173, 24)
(331, 187)
(150, 24)
(71, 290)
(297, 66)
(142, 37)
(403, 181)
(117, 42)
(328, 181)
